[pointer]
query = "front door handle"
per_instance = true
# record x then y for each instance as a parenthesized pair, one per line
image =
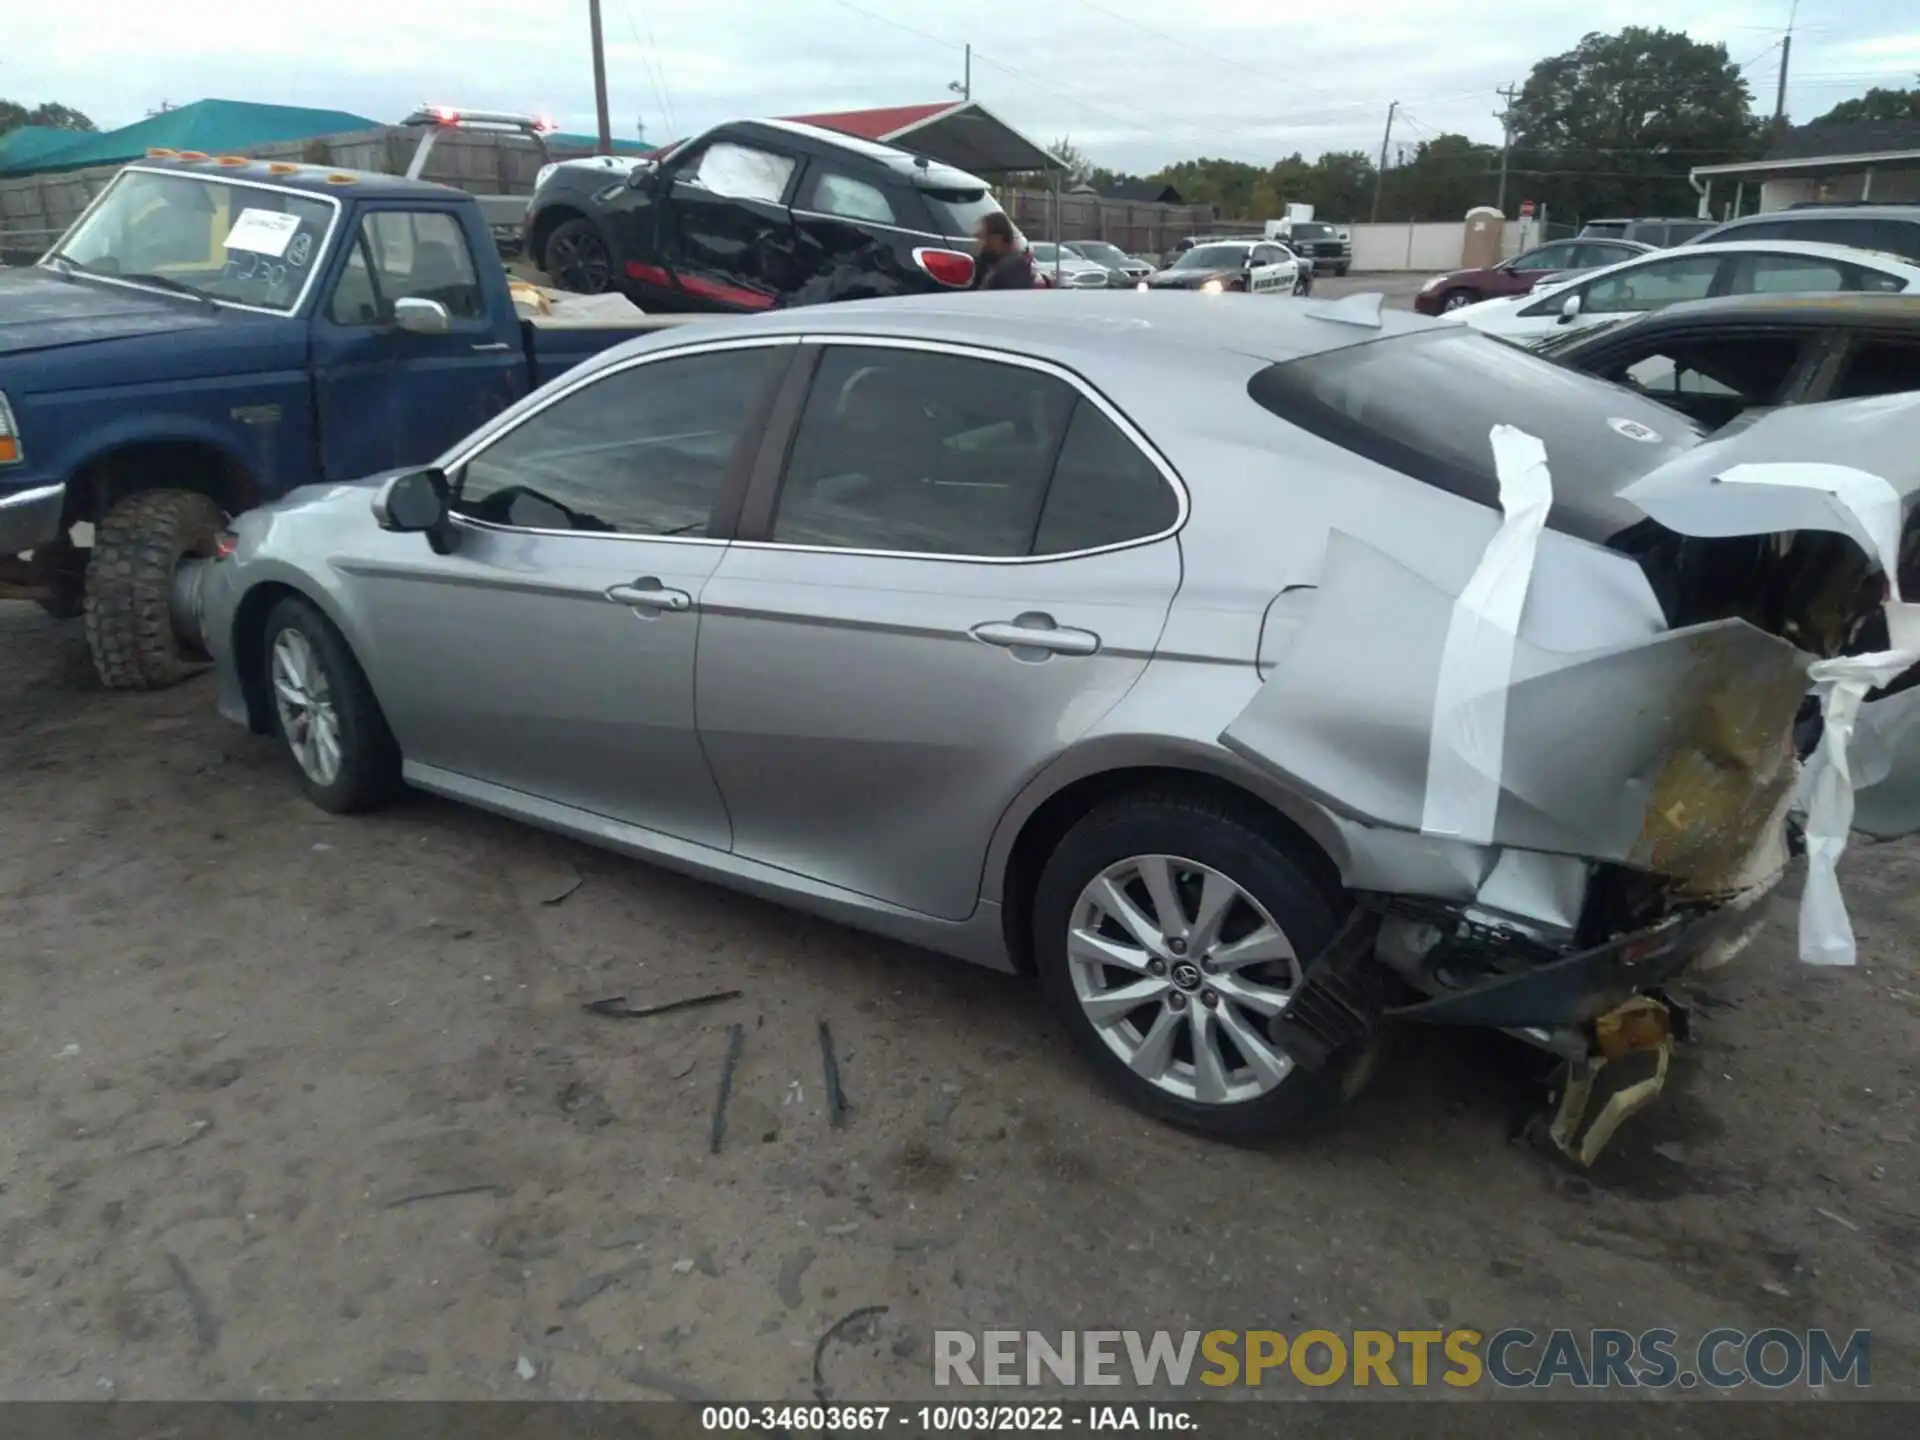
(492, 347)
(647, 593)
(1035, 632)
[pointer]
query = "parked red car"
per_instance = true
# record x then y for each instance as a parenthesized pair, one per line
(1520, 274)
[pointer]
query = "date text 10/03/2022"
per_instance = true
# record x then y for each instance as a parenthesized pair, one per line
(944, 1419)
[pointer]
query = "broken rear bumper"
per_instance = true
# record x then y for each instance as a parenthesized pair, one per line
(1582, 987)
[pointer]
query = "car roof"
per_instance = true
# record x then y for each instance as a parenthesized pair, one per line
(324, 180)
(1848, 310)
(1812, 249)
(1077, 330)
(904, 163)
(1873, 210)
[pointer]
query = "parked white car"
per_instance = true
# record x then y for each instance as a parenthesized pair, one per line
(1694, 272)
(1075, 272)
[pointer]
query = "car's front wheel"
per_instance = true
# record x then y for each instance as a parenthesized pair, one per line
(577, 259)
(325, 712)
(1169, 932)
(1457, 300)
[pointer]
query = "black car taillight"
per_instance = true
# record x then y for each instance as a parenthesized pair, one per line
(949, 267)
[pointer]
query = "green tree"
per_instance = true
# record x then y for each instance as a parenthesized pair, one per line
(1340, 186)
(14, 116)
(1613, 125)
(1447, 176)
(1080, 169)
(1878, 103)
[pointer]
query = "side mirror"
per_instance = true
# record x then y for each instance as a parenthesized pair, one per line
(642, 177)
(421, 317)
(1249, 262)
(416, 502)
(1569, 310)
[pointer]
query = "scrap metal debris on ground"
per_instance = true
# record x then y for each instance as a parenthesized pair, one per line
(736, 1043)
(830, 1064)
(615, 1007)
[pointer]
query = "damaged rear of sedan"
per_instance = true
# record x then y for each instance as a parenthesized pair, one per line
(1260, 681)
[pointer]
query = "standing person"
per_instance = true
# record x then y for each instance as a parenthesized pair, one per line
(1000, 261)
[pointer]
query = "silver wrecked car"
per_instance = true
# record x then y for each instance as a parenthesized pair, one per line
(1257, 677)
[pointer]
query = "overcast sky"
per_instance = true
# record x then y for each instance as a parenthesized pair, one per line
(1137, 83)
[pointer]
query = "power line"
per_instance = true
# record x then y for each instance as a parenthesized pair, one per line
(654, 82)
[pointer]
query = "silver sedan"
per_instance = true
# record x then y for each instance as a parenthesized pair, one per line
(1113, 643)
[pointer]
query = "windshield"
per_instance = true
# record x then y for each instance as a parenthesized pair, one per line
(1212, 257)
(1424, 402)
(227, 241)
(1101, 251)
(1311, 230)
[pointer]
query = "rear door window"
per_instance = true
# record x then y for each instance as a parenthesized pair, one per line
(924, 453)
(831, 192)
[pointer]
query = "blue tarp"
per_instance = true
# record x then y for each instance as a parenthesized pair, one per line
(217, 127)
(592, 142)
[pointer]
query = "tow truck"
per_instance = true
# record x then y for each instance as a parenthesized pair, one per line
(214, 331)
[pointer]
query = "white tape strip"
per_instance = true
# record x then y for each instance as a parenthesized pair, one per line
(1826, 784)
(1468, 737)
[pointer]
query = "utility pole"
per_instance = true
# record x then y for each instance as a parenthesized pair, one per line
(600, 79)
(1380, 175)
(966, 76)
(1780, 95)
(1786, 54)
(1505, 117)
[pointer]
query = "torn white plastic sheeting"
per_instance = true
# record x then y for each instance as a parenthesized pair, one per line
(1826, 786)
(1468, 736)
(1868, 508)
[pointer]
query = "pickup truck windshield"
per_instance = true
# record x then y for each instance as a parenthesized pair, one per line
(232, 242)
(1311, 230)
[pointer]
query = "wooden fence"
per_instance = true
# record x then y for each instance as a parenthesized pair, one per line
(35, 210)
(1137, 227)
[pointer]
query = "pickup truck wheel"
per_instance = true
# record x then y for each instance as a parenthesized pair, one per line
(326, 713)
(576, 259)
(136, 548)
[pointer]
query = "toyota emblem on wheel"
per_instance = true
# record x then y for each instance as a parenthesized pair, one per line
(1187, 975)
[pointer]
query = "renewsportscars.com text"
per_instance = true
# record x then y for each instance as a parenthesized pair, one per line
(1514, 1358)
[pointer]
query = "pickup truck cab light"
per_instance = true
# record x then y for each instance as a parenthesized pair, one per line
(195, 155)
(283, 167)
(336, 178)
(233, 161)
(160, 152)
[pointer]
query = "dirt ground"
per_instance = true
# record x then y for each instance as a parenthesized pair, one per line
(297, 1106)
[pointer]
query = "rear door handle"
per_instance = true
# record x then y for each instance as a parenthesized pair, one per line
(492, 347)
(647, 593)
(1039, 633)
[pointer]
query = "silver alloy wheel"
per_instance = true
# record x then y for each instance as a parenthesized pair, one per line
(1180, 969)
(1459, 300)
(304, 701)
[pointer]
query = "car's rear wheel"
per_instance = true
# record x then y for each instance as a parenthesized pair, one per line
(1169, 931)
(1456, 300)
(325, 712)
(577, 259)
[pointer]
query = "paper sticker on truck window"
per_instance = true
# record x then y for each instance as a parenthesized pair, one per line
(265, 232)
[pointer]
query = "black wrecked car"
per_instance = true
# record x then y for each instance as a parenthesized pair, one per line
(757, 215)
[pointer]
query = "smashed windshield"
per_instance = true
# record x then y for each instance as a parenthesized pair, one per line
(224, 240)
(1212, 257)
(1423, 403)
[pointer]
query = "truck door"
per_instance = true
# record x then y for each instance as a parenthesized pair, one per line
(390, 396)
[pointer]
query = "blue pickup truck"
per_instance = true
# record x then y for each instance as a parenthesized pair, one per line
(214, 332)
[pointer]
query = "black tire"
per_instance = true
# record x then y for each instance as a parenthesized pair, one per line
(1454, 299)
(135, 551)
(1340, 271)
(369, 769)
(576, 259)
(1203, 829)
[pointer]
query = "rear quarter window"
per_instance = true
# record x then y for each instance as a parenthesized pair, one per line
(956, 212)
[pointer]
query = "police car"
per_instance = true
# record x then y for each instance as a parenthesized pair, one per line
(1258, 267)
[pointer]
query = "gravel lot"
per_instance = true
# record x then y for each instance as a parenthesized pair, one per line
(299, 1106)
